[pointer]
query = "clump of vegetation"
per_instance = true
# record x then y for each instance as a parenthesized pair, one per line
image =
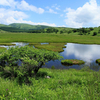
(53, 67)
(72, 62)
(2, 49)
(94, 33)
(31, 61)
(98, 61)
(57, 47)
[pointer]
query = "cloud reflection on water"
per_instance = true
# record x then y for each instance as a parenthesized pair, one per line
(87, 53)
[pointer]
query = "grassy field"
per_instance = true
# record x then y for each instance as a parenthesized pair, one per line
(51, 38)
(66, 84)
(62, 85)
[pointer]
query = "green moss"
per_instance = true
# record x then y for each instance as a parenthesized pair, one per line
(72, 62)
(98, 61)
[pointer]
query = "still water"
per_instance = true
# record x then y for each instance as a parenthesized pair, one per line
(87, 53)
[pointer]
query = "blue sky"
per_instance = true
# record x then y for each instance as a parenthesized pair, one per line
(58, 13)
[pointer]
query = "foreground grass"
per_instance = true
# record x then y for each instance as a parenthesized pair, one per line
(50, 38)
(62, 85)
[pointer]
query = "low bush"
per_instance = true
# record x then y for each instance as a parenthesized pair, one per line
(94, 33)
(98, 61)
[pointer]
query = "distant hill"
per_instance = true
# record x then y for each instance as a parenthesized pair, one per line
(2, 25)
(21, 27)
(28, 26)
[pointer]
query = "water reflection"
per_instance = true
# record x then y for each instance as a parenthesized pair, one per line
(16, 44)
(44, 43)
(20, 43)
(87, 53)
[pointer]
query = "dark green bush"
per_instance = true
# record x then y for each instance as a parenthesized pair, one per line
(80, 33)
(94, 33)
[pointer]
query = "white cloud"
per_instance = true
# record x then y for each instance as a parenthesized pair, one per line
(8, 16)
(52, 11)
(55, 6)
(25, 6)
(10, 3)
(13, 15)
(17, 17)
(52, 8)
(61, 15)
(88, 14)
(22, 5)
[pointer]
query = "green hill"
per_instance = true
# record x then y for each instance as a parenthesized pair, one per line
(28, 26)
(2, 25)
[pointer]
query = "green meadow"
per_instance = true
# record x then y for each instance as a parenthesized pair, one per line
(52, 84)
(50, 38)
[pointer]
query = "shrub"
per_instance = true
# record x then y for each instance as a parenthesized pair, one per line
(53, 67)
(99, 31)
(31, 60)
(91, 28)
(69, 31)
(98, 61)
(80, 33)
(94, 33)
(88, 33)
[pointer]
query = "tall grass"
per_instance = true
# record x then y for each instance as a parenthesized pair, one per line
(62, 85)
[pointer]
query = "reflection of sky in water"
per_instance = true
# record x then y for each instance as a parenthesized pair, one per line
(87, 53)
(17, 44)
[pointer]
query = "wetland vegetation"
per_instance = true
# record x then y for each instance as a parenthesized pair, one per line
(55, 84)
(72, 62)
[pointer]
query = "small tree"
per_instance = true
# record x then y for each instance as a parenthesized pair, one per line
(56, 30)
(31, 60)
(69, 31)
(94, 33)
(61, 32)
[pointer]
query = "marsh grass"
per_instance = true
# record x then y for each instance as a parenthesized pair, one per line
(57, 47)
(62, 85)
(72, 62)
(7, 44)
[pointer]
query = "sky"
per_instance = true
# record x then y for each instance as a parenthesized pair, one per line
(57, 13)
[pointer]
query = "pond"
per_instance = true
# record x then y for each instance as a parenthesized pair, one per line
(85, 52)
(16, 44)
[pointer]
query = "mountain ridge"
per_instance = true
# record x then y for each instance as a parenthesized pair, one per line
(28, 26)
